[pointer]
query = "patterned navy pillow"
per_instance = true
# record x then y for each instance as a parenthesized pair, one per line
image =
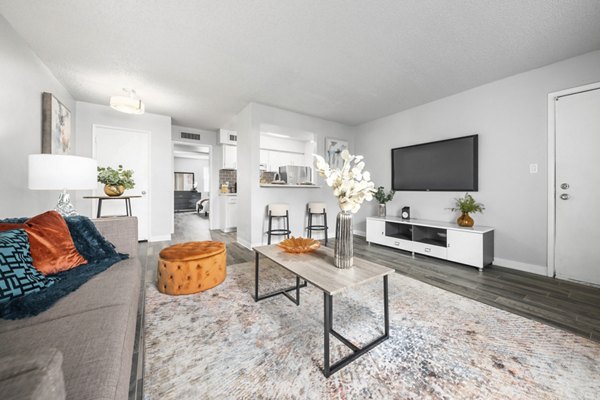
(18, 277)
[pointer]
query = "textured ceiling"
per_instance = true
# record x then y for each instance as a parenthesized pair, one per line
(350, 61)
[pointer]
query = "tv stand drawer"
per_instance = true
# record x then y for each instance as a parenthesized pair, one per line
(430, 250)
(398, 243)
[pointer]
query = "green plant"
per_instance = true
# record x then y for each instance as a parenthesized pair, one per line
(467, 205)
(116, 177)
(381, 197)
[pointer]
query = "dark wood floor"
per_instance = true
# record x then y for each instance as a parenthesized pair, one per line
(562, 304)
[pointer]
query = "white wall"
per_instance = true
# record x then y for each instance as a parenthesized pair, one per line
(195, 165)
(23, 78)
(253, 199)
(161, 155)
(510, 117)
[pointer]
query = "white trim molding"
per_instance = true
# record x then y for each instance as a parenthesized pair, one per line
(551, 239)
(160, 238)
(520, 266)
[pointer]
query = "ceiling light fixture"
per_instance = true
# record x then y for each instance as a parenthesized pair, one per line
(130, 103)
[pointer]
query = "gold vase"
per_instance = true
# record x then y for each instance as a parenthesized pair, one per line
(114, 190)
(465, 220)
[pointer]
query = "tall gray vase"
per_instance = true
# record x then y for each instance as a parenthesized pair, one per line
(344, 249)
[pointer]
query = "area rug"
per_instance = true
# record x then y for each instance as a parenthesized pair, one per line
(220, 344)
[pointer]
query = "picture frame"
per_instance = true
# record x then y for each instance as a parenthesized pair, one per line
(333, 151)
(56, 126)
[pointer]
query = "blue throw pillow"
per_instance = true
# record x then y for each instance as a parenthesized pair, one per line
(18, 277)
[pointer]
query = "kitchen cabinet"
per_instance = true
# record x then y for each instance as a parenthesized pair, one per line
(273, 159)
(229, 156)
(228, 212)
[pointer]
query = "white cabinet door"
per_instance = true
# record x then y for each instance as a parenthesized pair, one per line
(231, 217)
(376, 231)
(229, 156)
(465, 248)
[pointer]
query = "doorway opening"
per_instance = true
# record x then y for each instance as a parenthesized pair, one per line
(191, 192)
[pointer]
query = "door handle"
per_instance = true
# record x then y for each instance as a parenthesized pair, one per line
(564, 186)
(427, 250)
(143, 192)
(565, 196)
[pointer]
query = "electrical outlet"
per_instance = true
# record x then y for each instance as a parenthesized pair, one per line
(533, 168)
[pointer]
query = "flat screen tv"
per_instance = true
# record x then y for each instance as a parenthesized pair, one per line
(446, 165)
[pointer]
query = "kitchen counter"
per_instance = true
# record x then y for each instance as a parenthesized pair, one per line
(271, 185)
(227, 194)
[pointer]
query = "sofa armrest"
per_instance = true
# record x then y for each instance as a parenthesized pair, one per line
(120, 231)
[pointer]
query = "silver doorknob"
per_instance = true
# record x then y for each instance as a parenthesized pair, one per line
(143, 192)
(564, 186)
(565, 196)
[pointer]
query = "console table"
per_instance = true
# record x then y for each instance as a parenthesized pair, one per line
(127, 200)
(318, 269)
(471, 246)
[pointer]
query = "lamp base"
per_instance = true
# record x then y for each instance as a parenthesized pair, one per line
(64, 206)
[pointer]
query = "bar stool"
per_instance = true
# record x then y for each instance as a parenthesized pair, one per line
(278, 210)
(316, 209)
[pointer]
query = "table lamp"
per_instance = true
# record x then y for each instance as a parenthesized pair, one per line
(58, 172)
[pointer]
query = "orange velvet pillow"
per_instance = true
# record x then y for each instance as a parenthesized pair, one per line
(52, 247)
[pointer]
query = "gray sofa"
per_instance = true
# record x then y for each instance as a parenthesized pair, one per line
(92, 330)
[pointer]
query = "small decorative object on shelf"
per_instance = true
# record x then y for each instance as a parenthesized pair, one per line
(115, 180)
(299, 245)
(466, 205)
(382, 198)
(351, 185)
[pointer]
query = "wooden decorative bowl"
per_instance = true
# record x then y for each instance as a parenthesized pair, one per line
(299, 245)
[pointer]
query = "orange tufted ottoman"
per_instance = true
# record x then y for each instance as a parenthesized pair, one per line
(191, 267)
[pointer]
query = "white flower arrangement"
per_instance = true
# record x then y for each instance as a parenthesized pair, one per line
(351, 185)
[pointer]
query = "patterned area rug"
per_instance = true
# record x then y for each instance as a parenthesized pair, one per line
(220, 344)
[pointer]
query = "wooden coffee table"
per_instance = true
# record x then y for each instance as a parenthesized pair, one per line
(318, 269)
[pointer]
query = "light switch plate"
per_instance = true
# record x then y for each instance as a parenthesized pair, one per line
(533, 168)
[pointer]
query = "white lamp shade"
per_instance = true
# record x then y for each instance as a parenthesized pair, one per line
(57, 172)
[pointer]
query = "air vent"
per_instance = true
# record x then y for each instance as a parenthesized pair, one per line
(227, 137)
(191, 136)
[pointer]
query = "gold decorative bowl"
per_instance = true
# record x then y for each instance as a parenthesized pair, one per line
(299, 245)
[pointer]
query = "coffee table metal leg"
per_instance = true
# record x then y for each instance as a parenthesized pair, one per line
(327, 328)
(285, 291)
(328, 368)
(99, 212)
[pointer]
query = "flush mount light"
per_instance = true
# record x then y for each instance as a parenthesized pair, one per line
(129, 103)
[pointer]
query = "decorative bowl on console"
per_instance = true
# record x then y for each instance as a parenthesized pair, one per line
(298, 245)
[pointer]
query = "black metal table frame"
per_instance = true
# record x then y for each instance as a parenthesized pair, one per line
(328, 368)
(127, 205)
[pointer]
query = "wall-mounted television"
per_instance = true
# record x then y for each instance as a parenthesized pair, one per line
(446, 165)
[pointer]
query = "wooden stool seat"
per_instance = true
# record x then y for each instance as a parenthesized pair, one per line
(191, 267)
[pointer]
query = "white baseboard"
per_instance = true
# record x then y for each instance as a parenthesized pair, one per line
(532, 268)
(360, 233)
(244, 243)
(160, 238)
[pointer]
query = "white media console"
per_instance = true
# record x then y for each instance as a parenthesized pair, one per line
(471, 246)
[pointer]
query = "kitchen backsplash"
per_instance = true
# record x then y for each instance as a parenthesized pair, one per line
(227, 175)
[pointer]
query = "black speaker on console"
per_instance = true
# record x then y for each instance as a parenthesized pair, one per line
(405, 213)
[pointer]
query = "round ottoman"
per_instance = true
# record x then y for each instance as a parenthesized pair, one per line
(191, 267)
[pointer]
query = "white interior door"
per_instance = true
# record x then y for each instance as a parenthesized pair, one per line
(129, 148)
(577, 238)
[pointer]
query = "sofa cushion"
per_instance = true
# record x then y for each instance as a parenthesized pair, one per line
(52, 247)
(18, 277)
(32, 376)
(93, 327)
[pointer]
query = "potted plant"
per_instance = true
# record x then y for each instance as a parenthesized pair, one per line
(466, 205)
(115, 180)
(383, 198)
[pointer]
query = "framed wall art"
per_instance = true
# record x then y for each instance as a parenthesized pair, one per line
(56, 126)
(333, 151)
